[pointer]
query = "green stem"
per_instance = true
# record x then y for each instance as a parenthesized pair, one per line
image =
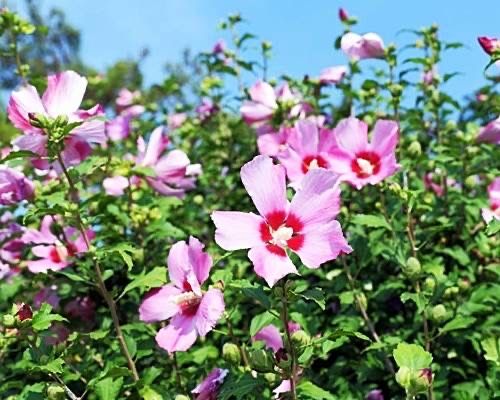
(100, 280)
(291, 348)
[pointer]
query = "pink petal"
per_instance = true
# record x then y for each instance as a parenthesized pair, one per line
(92, 131)
(270, 266)
(115, 186)
(179, 335)
(350, 44)
(253, 112)
(322, 243)
(75, 150)
(306, 138)
(271, 144)
(64, 93)
(45, 265)
(284, 387)
(262, 92)
(23, 101)
(159, 304)
(180, 269)
(200, 260)
(333, 75)
(352, 135)
(265, 183)
(385, 137)
(292, 161)
(271, 336)
(209, 311)
(490, 133)
(237, 230)
(164, 189)
(155, 147)
(172, 166)
(32, 142)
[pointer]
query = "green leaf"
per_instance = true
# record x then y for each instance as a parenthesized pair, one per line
(459, 322)
(260, 321)
(493, 227)
(123, 249)
(148, 393)
(239, 387)
(18, 154)
(252, 291)
(346, 297)
(418, 298)
(491, 347)
(458, 254)
(412, 356)
(53, 367)
(372, 221)
(154, 278)
(109, 388)
(307, 389)
(315, 295)
(42, 319)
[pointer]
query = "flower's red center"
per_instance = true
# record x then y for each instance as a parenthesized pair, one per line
(313, 162)
(188, 301)
(60, 253)
(281, 231)
(366, 163)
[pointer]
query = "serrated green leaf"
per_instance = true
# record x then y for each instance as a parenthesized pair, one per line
(372, 221)
(154, 278)
(459, 322)
(308, 390)
(42, 319)
(412, 356)
(108, 388)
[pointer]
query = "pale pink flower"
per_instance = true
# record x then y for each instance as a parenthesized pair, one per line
(176, 120)
(62, 97)
(14, 186)
(490, 133)
(360, 162)
(309, 147)
(490, 45)
(173, 172)
(192, 311)
(358, 47)
(271, 335)
(493, 212)
(333, 75)
(54, 254)
(274, 143)
(306, 226)
(115, 186)
(119, 127)
(208, 389)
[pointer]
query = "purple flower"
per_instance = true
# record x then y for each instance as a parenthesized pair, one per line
(208, 389)
(375, 394)
(14, 186)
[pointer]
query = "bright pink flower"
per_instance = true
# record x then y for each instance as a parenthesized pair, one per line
(175, 121)
(14, 186)
(309, 147)
(271, 335)
(115, 186)
(493, 212)
(192, 311)
(118, 128)
(174, 174)
(208, 389)
(62, 97)
(264, 102)
(490, 133)
(333, 75)
(490, 45)
(434, 184)
(358, 47)
(360, 162)
(343, 16)
(306, 226)
(52, 253)
(274, 143)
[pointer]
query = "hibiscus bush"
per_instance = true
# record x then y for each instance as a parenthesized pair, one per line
(225, 234)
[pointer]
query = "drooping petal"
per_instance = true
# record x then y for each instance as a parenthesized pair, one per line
(64, 93)
(237, 230)
(179, 335)
(265, 182)
(209, 311)
(385, 137)
(271, 336)
(172, 167)
(270, 265)
(333, 75)
(23, 101)
(352, 135)
(155, 147)
(159, 304)
(322, 243)
(200, 260)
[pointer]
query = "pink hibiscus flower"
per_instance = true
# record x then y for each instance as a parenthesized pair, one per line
(333, 75)
(273, 143)
(208, 389)
(360, 162)
(490, 133)
(358, 47)
(490, 45)
(306, 226)
(14, 186)
(309, 147)
(192, 311)
(271, 336)
(62, 97)
(493, 212)
(52, 253)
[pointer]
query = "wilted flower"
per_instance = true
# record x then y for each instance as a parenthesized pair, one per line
(192, 311)
(333, 75)
(360, 162)
(358, 47)
(490, 133)
(14, 186)
(62, 98)
(306, 226)
(208, 389)
(494, 197)
(54, 253)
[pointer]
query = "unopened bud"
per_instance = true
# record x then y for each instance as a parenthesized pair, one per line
(301, 338)
(429, 284)
(181, 397)
(24, 312)
(451, 292)
(343, 16)
(464, 284)
(8, 320)
(438, 313)
(231, 353)
(412, 268)
(55, 392)
(261, 360)
(415, 149)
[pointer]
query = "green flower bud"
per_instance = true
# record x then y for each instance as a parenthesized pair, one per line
(231, 353)
(438, 313)
(403, 377)
(8, 320)
(198, 199)
(300, 338)
(464, 284)
(451, 292)
(412, 268)
(181, 397)
(471, 182)
(55, 392)
(414, 381)
(261, 361)
(429, 284)
(415, 149)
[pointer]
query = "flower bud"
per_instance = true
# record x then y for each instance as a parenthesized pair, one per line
(231, 353)
(55, 392)
(464, 284)
(438, 313)
(181, 397)
(301, 338)
(415, 149)
(343, 16)
(260, 360)
(8, 320)
(490, 45)
(24, 312)
(412, 268)
(414, 381)
(471, 181)
(451, 292)
(403, 377)
(429, 284)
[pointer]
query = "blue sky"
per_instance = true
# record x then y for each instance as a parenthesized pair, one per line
(302, 32)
